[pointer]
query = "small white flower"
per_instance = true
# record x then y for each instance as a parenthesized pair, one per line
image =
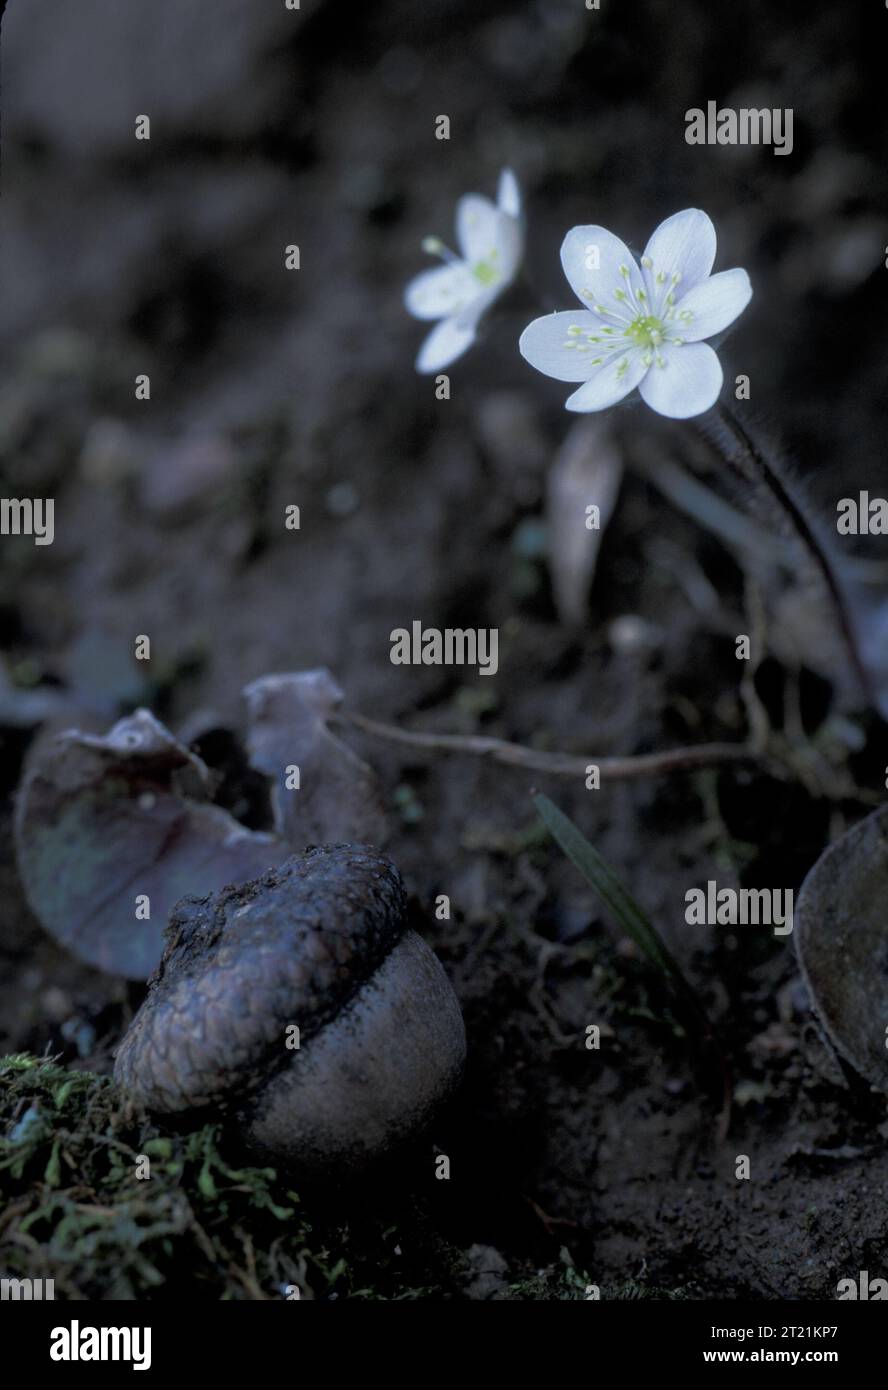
(643, 326)
(490, 237)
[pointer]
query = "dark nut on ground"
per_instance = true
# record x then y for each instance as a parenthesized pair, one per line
(320, 943)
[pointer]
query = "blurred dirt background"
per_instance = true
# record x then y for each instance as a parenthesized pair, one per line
(268, 388)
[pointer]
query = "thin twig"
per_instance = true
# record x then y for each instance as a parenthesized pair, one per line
(556, 764)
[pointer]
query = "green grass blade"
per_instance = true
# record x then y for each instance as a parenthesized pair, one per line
(614, 894)
(630, 916)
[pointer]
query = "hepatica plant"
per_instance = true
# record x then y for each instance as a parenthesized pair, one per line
(490, 237)
(641, 325)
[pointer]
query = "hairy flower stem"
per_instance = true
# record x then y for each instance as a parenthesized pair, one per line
(729, 436)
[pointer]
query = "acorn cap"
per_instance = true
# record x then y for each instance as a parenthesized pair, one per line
(294, 946)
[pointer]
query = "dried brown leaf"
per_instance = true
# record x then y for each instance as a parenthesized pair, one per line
(841, 939)
(101, 821)
(338, 797)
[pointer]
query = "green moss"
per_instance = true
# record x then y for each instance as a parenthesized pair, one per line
(561, 1284)
(632, 1290)
(199, 1224)
(571, 1284)
(204, 1224)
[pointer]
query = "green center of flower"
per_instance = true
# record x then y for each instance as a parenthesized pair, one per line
(486, 272)
(646, 331)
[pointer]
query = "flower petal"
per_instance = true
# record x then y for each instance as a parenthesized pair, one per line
(508, 194)
(683, 245)
(544, 344)
(687, 384)
(447, 341)
(713, 305)
(445, 290)
(609, 383)
(470, 315)
(509, 247)
(592, 258)
(477, 227)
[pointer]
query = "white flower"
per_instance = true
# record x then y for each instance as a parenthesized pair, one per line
(643, 326)
(490, 237)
